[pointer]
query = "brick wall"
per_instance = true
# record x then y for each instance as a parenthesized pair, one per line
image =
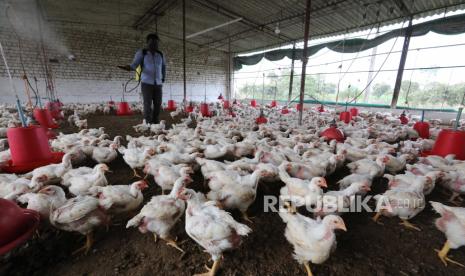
(94, 76)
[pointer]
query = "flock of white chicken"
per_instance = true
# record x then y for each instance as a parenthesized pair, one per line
(76, 198)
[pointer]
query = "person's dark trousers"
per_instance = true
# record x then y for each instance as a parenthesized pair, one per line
(152, 95)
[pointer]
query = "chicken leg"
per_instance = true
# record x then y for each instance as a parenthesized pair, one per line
(136, 174)
(212, 270)
(455, 199)
(409, 225)
(442, 254)
(376, 218)
(307, 268)
(172, 243)
(87, 245)
(246, 217)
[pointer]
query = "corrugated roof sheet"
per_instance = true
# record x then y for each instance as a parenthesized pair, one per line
(256, 30)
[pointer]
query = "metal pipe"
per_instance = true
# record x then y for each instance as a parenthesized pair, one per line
(304, 60)
(184, 48)
(403, 59)
(291, 78)
(213, 28)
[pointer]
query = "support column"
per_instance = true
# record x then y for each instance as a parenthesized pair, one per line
(403, 59)
(291, 78)
(184, 48)
(228, 72)
(304, 59)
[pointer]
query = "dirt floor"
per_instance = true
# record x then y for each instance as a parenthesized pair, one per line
(366, 249)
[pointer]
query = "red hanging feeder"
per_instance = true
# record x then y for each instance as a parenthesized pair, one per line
(226, 104)
(189, 108)
(171, 105)
(16, 225)
(204, 110)
(345, 116)
(123, 109)
(422, 128)
(55, 110)
(353, 111)
(333, 133)
(403, 118)
(253, 103)
(298, 107)
(235, 102)
(220, 97)
(261, 119)
(284, 111)
(44, 118)
(111, 103)
(449, 141)
(321, 108)
(29, 149)
(273, 103)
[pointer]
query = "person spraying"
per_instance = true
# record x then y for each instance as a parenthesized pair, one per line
(150, 66)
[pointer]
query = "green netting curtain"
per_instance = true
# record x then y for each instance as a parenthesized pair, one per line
(446, 26)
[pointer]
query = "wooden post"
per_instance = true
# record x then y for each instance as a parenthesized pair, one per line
(291, 78)
(304, 60)
(403, 59)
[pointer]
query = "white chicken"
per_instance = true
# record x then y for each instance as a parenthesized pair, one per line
(212, 228)
(54, 172)
(161, 213)
(48, 198)
(313, 240)
(117, 199)
(105, 154)
(452, 224)
(367, 166)
(80, 185)
(80, 214)
(136, 157)
(405, 203)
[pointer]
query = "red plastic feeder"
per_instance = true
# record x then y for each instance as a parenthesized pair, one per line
(29, 149)
(55, 110)
(353, 111)
(44, 118)
(235, 102)
(189, 108)
(321, 108)
(253, 103)
(284, 111)
(345, 116)
(111, 103)
(226, 104)
(403, 119)
(333, 133)
(298, 107)
(204, 110)
(123, 109)
(261, 120)
(16, 225)
(273, 103)
(450, 141)
(220, 97)
(171, 105)
(422, 128)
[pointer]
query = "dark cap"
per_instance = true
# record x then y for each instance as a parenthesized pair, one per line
(152, 36)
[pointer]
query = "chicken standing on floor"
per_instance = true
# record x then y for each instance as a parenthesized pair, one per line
(47, 199)
(452, 224)
(117, 199)
(212, 228)
(161, 213)
(313, 240)
(80, 214)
